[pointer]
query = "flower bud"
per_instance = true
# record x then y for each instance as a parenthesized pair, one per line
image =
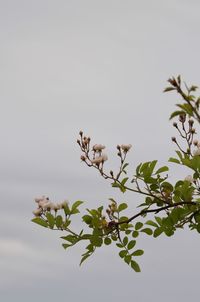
(83, 158)
(189, 178)
(182, 118)
(126, 148)
(37, 212)
(196, 152)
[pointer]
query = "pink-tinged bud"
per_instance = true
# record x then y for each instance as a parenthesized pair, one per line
(37, 212)
(174, 139)
(126, 148)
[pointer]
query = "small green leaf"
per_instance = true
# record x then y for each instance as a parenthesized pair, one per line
(66, 245)
(107, 241)
(138, 253)
(125, 240)
(138, 225)
(70, 238)
(40, 221)
(157, 232)
(167, 89)
(75, 206)
(174, 160)
(87, 219)
(127, 259)
(175, 113)
(59, 221)
(135, 266)
(122, 207)
(87, 255)
(131, 244)
(119, 245)
(51, 220)
(147, 231)
(123, 253)
(124, 181)
(135, 234)
(152, 223)
(162, 169)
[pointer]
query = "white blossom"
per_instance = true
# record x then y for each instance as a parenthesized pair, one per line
(48, 205)
(100, 159)
(98, 147)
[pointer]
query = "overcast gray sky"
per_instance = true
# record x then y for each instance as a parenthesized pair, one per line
(99, 66)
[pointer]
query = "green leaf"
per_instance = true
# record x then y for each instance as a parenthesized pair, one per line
(175, 113)
(174, 160)
(138, 253)
(59, 221)
(119, 245)
(168, 89)
(70, 238)
(138, 169)
(135, 234)
(147, 231)
(122, 207)
(66, 245)
(152, 166)
(87, 255)
(40, 221)
(157, 232)
(75, 206)
(125, 240)
(159, 220)
(152, 223)
(127, 259)
(124, 181)
(131, 244)
(135, 266)
(162, 169)
(87, 219)
(51, 220)
(107, 241)
(123, 253)
(138, 225)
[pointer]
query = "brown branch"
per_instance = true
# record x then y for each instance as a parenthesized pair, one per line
(156, 210)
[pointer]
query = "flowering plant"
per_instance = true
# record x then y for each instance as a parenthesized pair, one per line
(170, 206)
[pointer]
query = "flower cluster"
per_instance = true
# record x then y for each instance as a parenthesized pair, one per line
(44, 204)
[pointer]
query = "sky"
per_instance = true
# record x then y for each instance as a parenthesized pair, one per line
(100, 67)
